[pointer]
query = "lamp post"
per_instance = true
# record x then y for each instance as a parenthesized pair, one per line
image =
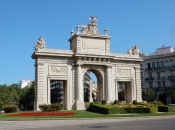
(72, 32)
(106, 31)
(78, 27)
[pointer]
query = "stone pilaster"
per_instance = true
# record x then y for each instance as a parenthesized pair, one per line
(39, 85)
(108, 84)
(107, 43)
(116, 91)
(138, 84)
(90, 93)
(79, 101)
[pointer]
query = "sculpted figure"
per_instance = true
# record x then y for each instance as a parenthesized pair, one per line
(91, 28)
(84, 28)
(129, 51)
(135, 50)
(40, 44)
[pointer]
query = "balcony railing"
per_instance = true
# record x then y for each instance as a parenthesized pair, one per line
(171, 77)
(150, 78)
(158, 88)
(163, 77)
(162, 67)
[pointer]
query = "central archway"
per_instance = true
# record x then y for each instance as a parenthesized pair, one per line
(100, 84)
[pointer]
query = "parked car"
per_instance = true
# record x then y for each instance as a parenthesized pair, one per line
(2, 111)
(171, 104)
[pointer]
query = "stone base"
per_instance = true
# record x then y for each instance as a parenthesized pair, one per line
(109, 101)
(80, 105)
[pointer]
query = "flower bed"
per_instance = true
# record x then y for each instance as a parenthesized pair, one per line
(43, 114)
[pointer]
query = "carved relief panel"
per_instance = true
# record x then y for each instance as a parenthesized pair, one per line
(120, 72)
(58, 70)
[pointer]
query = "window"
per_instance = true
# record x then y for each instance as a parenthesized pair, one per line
(163, 84)
(171, 62)
(171, 72)
(150, 75)
(153, 65)
(158, 74)
(158, 85)
(141, 66)
(162, 74)
(149, 66)
(120, 86)
(150, 84)
(157, 64)
(162, 64)
(141, 75)
(166, 63)
(172, 83)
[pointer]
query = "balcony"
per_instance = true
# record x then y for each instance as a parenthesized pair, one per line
(159, 88)
(171, 87)
(162, 67)
(163, 77)
(171, 77)
(150, 78)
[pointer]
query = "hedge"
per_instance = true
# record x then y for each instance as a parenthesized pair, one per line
(9, 108)
(98, 108)
(166, 108)
(50, 107)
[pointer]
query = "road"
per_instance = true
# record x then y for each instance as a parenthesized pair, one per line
(145, 123)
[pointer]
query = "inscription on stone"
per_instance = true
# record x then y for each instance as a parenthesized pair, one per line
(58, 70)
(124, 72)
(96, 44)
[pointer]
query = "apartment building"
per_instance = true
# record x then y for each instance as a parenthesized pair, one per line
(158, 71)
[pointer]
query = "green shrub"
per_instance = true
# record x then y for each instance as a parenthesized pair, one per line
(9, 108)
(98, 108)
(134, 102)
(141, 110)
(116, 102)
(103, 109)
(166, 108)
(103, 102)
(50, 107)
(157, 102)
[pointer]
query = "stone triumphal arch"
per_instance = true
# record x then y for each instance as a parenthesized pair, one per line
(59, 73)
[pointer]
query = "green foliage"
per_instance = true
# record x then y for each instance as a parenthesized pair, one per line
(148, 95)
(9, 94)
(27, 97)
(134, 102)
(119, 109)
(9, 108)
(0, 106)
(116, 102)
(141, 110)
(103, 102)
(170, 92)
(121, 95)
(166, 108)
(157, 102)
(103, 109)
(50, 107)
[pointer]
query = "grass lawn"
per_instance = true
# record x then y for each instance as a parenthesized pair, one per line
(80, 114)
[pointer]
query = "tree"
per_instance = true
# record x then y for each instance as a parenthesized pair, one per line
(148, 95)
(9, 94)
(27, 97)
(169, 92)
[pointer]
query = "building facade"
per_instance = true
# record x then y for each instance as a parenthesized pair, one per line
(158, 71)
(25, 83)
(89, 51)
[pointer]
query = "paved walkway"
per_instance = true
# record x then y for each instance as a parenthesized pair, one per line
(22, 125)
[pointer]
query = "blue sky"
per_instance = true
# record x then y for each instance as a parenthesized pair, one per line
(146, 23)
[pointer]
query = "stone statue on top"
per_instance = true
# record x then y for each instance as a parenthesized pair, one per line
(91, 28)
(40, 44)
